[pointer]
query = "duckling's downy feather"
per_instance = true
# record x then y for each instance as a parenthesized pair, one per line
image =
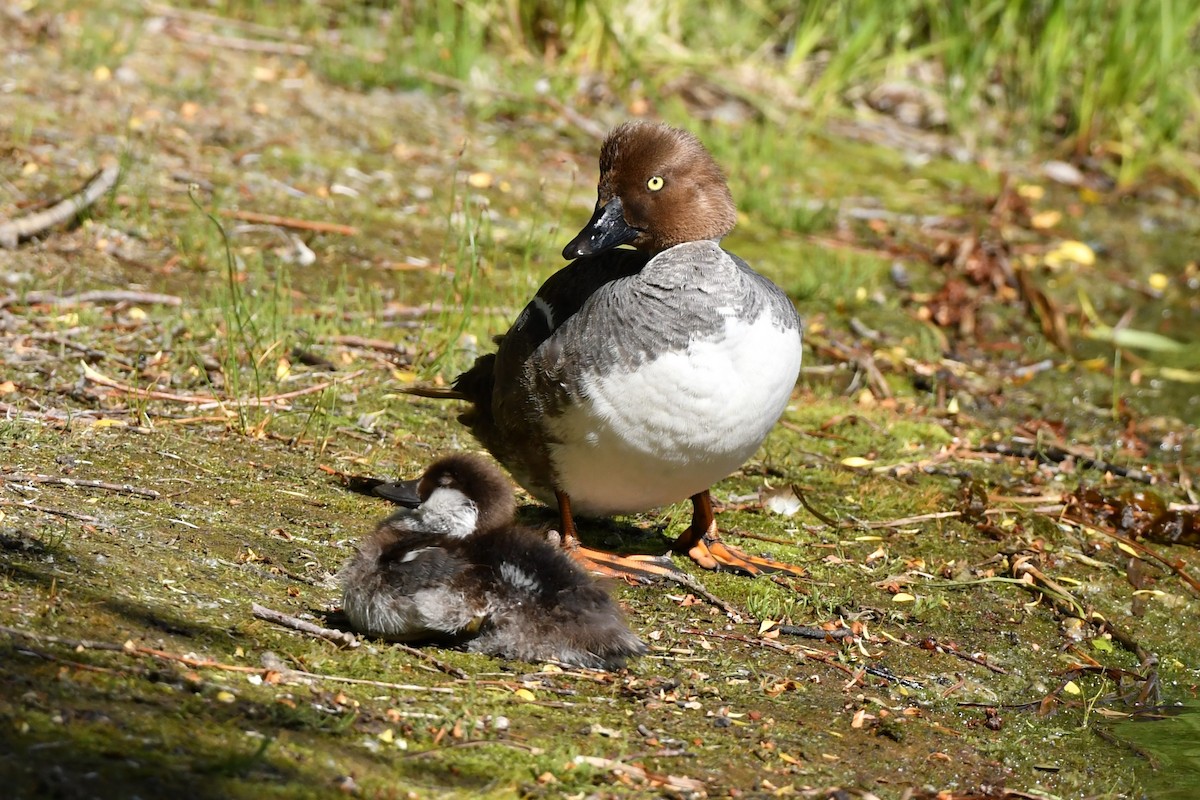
(457, 569)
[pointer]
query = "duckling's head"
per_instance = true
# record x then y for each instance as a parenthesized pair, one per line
(659, 187)
(464, 493)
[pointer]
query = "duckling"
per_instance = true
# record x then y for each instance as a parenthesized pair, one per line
(458, 570)
(637, 378)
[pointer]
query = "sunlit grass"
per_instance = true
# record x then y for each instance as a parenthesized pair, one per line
(1089, 77)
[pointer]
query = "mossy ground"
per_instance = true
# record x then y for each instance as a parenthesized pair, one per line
(460, 210)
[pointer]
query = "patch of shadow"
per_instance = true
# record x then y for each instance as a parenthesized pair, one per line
(140, 615)
(18, 541)
(170, 623)
(603, 533)
(81, 725)
(95, 758)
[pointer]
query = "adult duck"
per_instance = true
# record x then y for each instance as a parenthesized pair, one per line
(639, 377)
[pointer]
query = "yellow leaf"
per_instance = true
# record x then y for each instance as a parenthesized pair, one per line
(765, 626)
(1031, 191)
(1128, 550)
(386, 736)
(136, 314)
(526, 695)
(1045, 219)
(903, 597)
(857, 462)
(282, 369)
(109, 423)
(1070, 251)
(1181, 375)
(102, 74)
(1072, 688)
(480, 180)
(1158, 281)
(226, 697)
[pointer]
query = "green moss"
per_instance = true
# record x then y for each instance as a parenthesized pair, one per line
(246, 514)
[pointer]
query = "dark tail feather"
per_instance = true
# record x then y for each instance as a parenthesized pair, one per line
(474, 385)
(436, 392)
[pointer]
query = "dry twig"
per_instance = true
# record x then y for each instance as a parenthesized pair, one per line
(57, 512)
(1177, 566)
(119, 488)
(245, 216)
(342, 638)
(203, 402)
(97, 296)
(14, 231)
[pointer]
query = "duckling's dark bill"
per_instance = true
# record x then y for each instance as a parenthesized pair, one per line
(402, 493)
(605, 230)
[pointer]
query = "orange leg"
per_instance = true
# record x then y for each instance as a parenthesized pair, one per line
(635, 569)
(704, 545)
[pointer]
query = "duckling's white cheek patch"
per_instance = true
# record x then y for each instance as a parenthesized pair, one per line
(450, 512)
(674, 425)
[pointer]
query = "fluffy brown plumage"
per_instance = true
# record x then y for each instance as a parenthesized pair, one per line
(457, 569)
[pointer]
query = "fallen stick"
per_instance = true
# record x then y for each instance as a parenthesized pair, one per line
(809, 653)
(245, 216)
(57, 512)
(237, 42)
(94, 376)
(1056, 454)
(348, 340)
(436, 662)
(342, 638)
(98, 296)
(1177, 566)
(203, 402)
(345, 638)
(85, 350)
(11, 233)
(119, 488)
(695, 587)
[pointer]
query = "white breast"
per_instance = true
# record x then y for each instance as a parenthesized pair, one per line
(675, 425)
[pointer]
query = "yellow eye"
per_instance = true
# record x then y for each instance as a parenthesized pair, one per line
(654, 184)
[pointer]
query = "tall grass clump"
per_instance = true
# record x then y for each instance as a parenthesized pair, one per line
(1108, 78)
(1094, 77)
